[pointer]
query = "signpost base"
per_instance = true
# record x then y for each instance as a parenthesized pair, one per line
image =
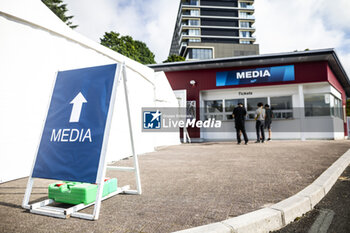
(44, 208)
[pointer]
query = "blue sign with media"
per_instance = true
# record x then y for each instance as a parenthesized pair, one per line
(258, 75)
(73, 134)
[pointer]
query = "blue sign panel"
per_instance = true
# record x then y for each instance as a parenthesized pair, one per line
(258, 75)
(70, 147)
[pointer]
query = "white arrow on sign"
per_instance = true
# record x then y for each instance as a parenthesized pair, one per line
(77, 106)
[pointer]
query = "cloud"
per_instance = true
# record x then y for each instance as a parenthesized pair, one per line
(150, 21)
(281, 25)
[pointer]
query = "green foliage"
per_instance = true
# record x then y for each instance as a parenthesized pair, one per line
(60, 9)
(174, 58)
(307, 49)
(348, 107)
(129, 47)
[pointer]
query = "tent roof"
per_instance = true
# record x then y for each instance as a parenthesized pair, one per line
(35, 13)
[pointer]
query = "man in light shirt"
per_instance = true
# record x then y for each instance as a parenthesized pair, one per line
(260, 115)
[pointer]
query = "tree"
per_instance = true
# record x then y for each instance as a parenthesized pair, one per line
(307, 49)
(60, 9)
(126, 45)
(174, 58)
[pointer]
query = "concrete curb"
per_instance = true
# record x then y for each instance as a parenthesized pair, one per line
(284, 212)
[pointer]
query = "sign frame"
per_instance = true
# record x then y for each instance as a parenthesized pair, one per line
(43, 209)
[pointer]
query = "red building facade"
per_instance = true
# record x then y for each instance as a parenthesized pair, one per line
(317, 76)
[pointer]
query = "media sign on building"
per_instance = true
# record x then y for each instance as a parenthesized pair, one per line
(73, 134)
(253, 76)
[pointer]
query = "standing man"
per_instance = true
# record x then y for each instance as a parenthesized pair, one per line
(268, 120)
(239, 114)
(260, 118)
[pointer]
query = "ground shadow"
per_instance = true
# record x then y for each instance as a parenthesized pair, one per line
(11, 205)
(23, 193)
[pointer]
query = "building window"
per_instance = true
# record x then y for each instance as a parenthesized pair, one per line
(230, 104)
(213, 109)
(245, 34)
(317, 105)
(336, 107)
(193, 22)
(243, 4)
(244, 24)
(244, 42)
(252, 105)
(193, 32)
(194, 40)
(184, 44)
(245, 15)
(246, 5)
(282, 107)
(199, 53)
(191, 2)
(194, 12)
(323, 105)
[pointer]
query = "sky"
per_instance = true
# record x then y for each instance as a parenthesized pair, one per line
(281, 25)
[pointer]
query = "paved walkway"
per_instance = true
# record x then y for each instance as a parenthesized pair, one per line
(186, 186)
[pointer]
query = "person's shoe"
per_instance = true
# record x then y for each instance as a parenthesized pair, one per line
(269, 139)
(246, 143)
(238, 143)
(257, 142)
(262, 141)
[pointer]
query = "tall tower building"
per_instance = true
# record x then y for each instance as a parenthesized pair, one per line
(208, 29)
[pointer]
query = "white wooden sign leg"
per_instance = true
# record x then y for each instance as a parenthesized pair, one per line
(136, 164)
(25, 203)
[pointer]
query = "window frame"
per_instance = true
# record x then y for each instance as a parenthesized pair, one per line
(335, 106)
(283, 113)
(223, 115)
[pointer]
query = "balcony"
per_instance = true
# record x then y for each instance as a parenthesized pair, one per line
(190, 13)
(191, 3)
(251, 38)
(243, 5)
(191, 22)
(250, 28)
(246, 16)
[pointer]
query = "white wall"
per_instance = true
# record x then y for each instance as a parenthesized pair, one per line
(34, 45)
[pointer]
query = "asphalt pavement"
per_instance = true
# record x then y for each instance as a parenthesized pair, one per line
(331, 215)
(187, 186)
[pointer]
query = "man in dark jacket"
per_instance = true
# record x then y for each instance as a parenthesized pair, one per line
(239, 113)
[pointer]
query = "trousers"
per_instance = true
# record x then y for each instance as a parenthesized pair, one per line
(260, 134)
(241, 129)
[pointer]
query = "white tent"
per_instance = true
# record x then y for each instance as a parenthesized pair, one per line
(34, 45)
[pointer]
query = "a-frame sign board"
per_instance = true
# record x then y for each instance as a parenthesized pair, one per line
(75, 136)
